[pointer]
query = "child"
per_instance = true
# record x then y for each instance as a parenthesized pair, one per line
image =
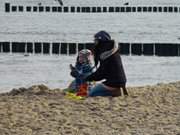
(83, 68)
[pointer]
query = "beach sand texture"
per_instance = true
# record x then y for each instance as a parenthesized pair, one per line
(148, 110)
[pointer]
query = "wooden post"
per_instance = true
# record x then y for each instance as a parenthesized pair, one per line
(66, 9)
(81, 46)
(128, 9)
(83, 9)
(14, 47)
(5, 47)
(170, 9)
(89, 46)
(117, 9)
(72, 48)
(55, 48)
(124, 48)
(104, 9)
(14, 8)
(59, 9)
(21, 8)
(98, 9)
(175, 9)
(154, 9)
(148, 49)
(46, 48)
(139, 9)
(34, 9)
(159, 9)
(165, 9)
(38, 48)
(145, 9)
(29, 47)
(133, 9)
(149, 9)
(78, 9)
(22, 47)
(55, 9)
(88, 9)
(64, 48)
(166, 49)
(47, 9)
(111, 9)
(122, 9)
(7, 7)
(136, 48)
(72, 9)
(94, 9)
(41, 9)
(28, 9)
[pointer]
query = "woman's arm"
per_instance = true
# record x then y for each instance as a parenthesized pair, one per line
(97, 75)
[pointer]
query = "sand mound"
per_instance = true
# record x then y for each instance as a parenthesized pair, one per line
(33, 90)
(38, 110)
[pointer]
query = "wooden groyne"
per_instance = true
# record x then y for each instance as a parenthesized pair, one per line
(158, 49)
(78, 9)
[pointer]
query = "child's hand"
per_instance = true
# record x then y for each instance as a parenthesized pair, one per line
(74, 71)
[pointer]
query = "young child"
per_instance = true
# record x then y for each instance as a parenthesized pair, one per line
(83, 68)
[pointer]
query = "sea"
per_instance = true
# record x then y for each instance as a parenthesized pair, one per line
(19, 70)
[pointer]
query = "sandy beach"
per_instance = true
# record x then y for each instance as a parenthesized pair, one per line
(39, 110)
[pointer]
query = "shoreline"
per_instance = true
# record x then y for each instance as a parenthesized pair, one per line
(37, 110)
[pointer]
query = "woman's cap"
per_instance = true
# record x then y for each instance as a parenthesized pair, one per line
(102, 36)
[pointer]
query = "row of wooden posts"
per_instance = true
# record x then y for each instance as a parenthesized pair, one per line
(72, 9)
(159, 49)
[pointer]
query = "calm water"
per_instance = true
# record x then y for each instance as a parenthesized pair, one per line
(54, 27)
(16, 70)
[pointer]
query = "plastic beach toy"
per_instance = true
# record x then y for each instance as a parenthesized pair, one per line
(70, 95)
(82, 90)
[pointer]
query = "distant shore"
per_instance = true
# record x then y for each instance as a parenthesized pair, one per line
(38, 110)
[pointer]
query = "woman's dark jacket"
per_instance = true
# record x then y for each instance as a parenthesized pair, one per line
(110, 69)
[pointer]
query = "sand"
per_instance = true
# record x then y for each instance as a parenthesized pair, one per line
(148, 110)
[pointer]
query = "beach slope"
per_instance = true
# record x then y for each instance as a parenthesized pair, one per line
(38, 110)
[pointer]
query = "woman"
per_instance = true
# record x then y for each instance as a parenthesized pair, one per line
(106, 54)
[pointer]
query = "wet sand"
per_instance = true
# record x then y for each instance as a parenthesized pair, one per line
(148, 110)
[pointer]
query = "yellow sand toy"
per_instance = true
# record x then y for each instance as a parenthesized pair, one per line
(71, 95)
(81, 94)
